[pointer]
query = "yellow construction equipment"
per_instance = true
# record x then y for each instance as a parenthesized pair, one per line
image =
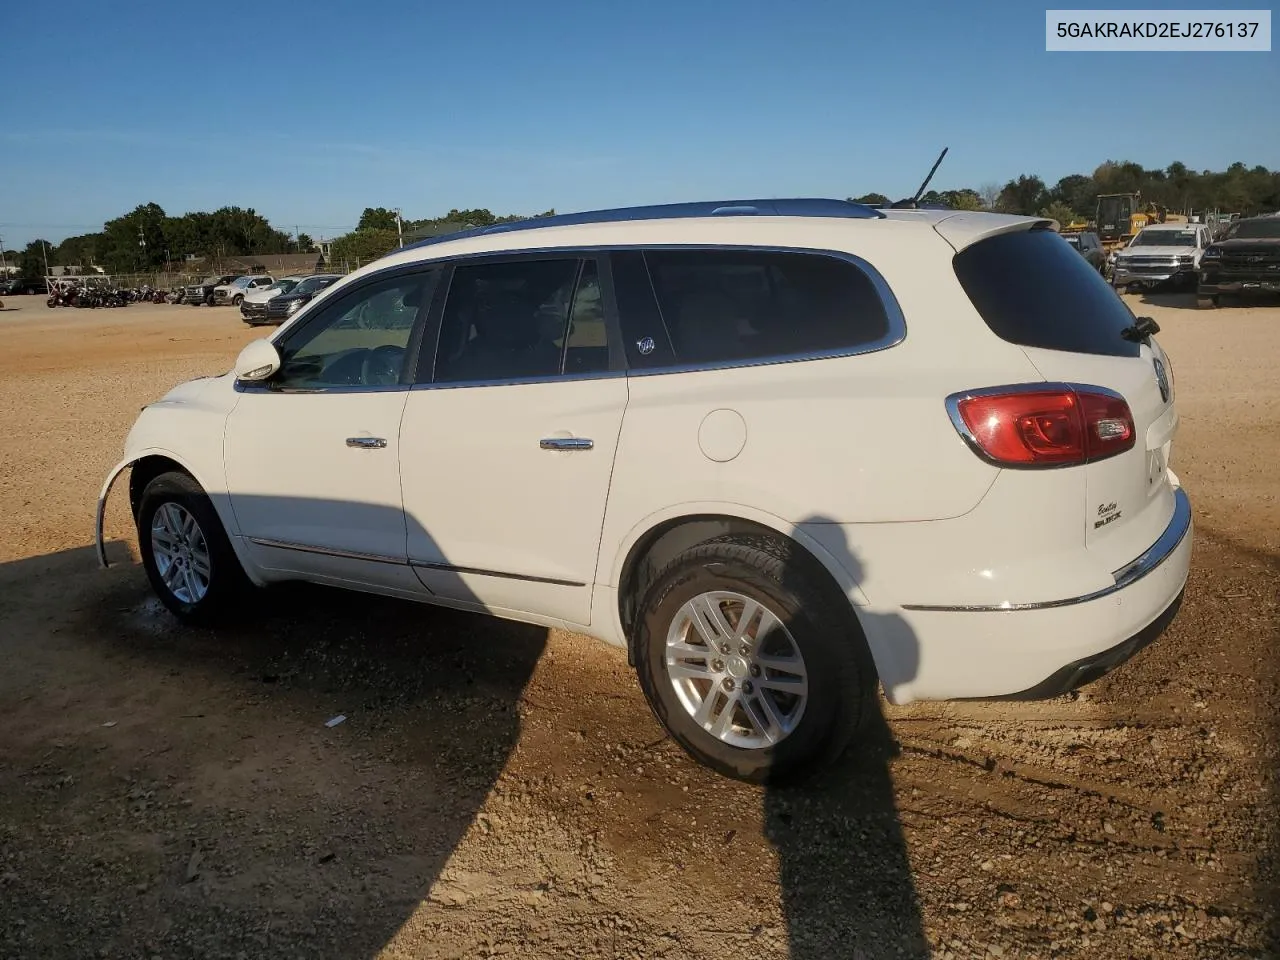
(1121, 215)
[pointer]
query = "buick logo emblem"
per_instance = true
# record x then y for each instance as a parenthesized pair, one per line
(646, 345)
(1257, 259)
(1162, 380)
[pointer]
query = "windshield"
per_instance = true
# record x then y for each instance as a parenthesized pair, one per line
(312, 284)
(283, 286)
(1259, 229)
(1165, 238)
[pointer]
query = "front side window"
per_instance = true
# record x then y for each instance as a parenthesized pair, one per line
(510, 321)
(743, 305)
(361, 340)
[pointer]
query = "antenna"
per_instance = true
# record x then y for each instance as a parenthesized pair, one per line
(915, 201)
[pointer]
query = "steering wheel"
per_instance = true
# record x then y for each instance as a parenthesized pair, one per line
(381, 366)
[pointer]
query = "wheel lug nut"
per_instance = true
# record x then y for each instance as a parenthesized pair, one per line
(747, 686)
(724, 648)
(745, 650)
(728, 683)
(755, 671)
(717, 665)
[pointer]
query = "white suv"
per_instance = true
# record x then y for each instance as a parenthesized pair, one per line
(779, 450)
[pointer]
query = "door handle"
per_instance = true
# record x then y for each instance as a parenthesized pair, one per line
(366, 443)
(566, 443)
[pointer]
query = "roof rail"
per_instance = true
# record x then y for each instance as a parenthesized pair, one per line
(799, 207)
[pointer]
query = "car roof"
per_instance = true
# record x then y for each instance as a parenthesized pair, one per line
(958, 227)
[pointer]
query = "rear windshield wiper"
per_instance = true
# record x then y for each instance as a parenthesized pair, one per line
(1141, 329)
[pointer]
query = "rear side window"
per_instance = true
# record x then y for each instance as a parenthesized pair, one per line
(742, 305)
(1034, 290)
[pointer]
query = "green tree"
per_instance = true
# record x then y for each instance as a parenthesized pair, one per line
(135, 241)
(1025, 196)
(1060, 212)
(871, 199)
(361, 246)
(31, 261)
(377, 218)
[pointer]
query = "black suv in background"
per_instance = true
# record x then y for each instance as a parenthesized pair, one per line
(281, 308)
(17, 287)
(1245, 260)
(1089, 246)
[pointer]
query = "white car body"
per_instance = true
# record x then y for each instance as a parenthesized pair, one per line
(968, 579)
(1149, 260)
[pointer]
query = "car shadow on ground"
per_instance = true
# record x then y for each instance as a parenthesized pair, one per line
(264, 832)
(1173, 300)
(847, 885)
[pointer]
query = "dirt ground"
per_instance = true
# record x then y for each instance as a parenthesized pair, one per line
(498, 790)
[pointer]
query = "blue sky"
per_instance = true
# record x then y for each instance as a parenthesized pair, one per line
(308, 112)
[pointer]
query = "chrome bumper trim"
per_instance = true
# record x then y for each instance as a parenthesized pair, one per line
(1126, 576)
(325, 551)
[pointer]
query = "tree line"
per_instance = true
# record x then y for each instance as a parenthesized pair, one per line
(1238, 189)
(378, 232)
(146, 238)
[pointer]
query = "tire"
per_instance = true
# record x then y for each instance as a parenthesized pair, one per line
(816, 623)
(237, 300)
(169, 503)
(1206, 303)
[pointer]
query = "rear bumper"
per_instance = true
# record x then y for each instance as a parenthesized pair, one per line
(1030, 650)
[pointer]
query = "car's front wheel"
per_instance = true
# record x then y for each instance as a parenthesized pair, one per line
(753, 667)
(237, 300)
(185, 551)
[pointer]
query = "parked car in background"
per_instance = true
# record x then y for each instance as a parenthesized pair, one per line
(198, 293)
(622, 423)
(254, 304)
(17, 286)
(281, 308)
(234, 291)
(1089, 246)
(1162, 253)
(1246, 260)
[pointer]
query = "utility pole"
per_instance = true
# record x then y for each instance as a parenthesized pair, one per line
(399, 227)
(44, 250)
(4, 267)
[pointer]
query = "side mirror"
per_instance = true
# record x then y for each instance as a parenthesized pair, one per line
(257, 361)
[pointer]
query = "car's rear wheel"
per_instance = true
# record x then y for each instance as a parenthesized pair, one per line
(752, 666)
(185, 551)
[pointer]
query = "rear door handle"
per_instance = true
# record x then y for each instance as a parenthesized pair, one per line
(566, 443)
(366, 443)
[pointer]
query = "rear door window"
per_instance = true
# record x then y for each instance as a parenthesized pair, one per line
(727, 305)
(1034, 290)
(510, 321)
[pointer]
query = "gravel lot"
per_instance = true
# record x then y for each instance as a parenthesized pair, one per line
(501, 790)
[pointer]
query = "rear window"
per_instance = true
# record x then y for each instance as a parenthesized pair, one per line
(742, 305)
(1034, 290)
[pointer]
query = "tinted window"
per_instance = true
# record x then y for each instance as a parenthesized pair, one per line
(506, 321)
(1261, 229)
(644, 336)
(741, 305)
(1035, 291)
(586, 347)
(359, 341)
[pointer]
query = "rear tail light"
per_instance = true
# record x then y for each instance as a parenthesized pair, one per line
(1048, 425)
